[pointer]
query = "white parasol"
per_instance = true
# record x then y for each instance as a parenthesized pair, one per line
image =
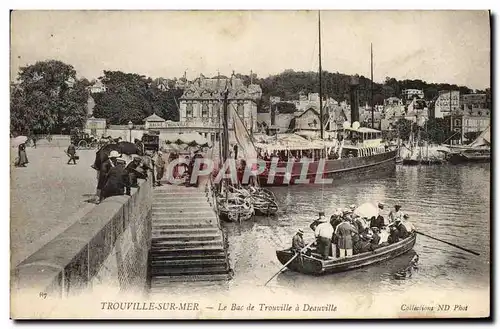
(15, 142)
(367, 210)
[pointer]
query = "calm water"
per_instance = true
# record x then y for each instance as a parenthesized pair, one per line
(449, 202)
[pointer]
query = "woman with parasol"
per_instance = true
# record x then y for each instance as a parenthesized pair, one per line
(22, 158)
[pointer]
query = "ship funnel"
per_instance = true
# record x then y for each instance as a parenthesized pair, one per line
(353, 88)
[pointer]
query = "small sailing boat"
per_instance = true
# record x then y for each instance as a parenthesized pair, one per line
(477, 151)
(232, 206)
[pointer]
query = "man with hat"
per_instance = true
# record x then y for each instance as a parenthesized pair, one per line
(135, 171)
(396, 213)
(344, 233)
(160, 168)
(402, 230)
(379, 220)
(115, 178)
(323, 233)
(317, 221)
(298, 241)
(103, 173)
(335, 220)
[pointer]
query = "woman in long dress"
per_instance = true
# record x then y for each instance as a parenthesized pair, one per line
(22, 157)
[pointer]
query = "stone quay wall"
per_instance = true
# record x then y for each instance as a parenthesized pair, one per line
(106, 249)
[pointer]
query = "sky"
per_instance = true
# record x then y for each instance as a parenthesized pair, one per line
(435, 46)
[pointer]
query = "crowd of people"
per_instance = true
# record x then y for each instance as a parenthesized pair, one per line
(347, 234)
(116, 177)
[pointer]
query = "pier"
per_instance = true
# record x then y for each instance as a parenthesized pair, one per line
(143, 242)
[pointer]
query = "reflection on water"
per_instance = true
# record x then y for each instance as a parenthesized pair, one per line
(449, 202)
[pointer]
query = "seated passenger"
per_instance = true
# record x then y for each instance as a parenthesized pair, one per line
(401, 229)
(356, 244)
(393, 235)
(375, 241)
(298, 241)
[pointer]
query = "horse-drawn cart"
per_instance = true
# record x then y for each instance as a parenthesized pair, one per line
(83, 140)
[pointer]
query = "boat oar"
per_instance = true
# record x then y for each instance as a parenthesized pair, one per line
(291, 259)
(451, 244)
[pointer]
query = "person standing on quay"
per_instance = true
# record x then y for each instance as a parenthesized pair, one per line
(160, 168)
(103, 173)
(323, 233)
(117, 179)
(71, 151)
(22, 157)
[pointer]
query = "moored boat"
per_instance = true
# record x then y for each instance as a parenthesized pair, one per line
(474, 155)
(235, 209)
(314, 265)
(362, 151)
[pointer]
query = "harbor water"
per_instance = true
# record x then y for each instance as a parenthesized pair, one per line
(449, 202)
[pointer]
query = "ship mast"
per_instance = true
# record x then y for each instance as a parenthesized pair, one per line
(371, 83)
(320, 78)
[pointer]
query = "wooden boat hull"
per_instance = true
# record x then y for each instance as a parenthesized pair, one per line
(412, 162)
(372, 165)
(235, 216)
(314, 266)
(456, 158)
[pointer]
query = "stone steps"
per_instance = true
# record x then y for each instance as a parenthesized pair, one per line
(163, 281)
(186, 242)
(188, 270)
(182, 244)
(201, 262)
(188, 255)
(166, 225)
(188, 231)
(182, 237)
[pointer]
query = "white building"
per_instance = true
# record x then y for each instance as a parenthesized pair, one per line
(443, 106)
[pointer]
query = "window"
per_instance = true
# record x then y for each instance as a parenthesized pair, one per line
(457, 122)
(215, 109)
(241, 109)
(479, 113)
(189, 110)
(204, 110)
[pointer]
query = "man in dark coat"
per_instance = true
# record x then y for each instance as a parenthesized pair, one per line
(375, 241)
(119, 178)
(117, 181)
(71, 151)
(133, 171)
(378, 221)
(393, 235)
(402, 231)
(160, 168)
(197, 155)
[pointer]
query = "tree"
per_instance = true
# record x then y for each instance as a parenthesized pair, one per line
(48, 99)
(132, 97)
(404, 127)
(285, 107)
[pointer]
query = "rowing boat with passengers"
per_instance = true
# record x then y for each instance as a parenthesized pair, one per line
(312, 263)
